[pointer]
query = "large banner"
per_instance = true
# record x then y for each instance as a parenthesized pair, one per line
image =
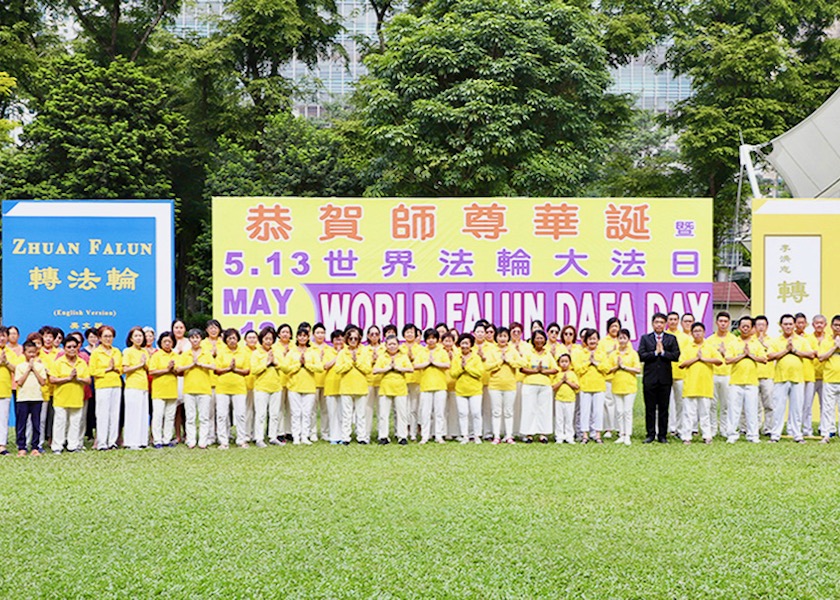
(398, 260)
(794, 246)
(79, 264)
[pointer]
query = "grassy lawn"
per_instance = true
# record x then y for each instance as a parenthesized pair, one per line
(657, 521)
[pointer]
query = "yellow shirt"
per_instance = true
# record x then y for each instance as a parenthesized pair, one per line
(232, 383)
(745, 371)
(815, 345)
(592, 378)
(414, 376)
(432, 378)
(101, 360)
(524, 350)
(789, 367)
(808, 371)
(267, 377)
(139, 379)
(393, 382)
(30, 391)
(503, 371)
(280, 352)
(213, 349)
(831, 367)
(682, 338)
(301, 378)
(717, 340)
(468, 377)
(48, 358)
(249, 378)
(539, 360)
(353, 372)
(565, 393)
(699, 377)
(332, 378)
(608, 345)
(72, 393)
(623, 381)
(6, 373)
(766, 370)
(164, 387)
(322, 351)
(197, 379)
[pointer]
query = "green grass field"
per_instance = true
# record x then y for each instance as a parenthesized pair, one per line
(657, 521)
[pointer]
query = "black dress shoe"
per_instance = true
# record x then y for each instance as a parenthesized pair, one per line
(383, 441)
(648, 439)
(403, 442)
(662, 440)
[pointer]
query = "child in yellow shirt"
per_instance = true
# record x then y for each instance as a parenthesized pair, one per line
(624, 366)
(565, 389)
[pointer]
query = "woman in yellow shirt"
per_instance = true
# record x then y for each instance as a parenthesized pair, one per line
(503, 362)
(196, 365)
(331, 383)
(251, 341)
(267, 389)
(180, 345)
(537, 409)
(609, 344)
(624, 365)
(453, 424)
(432, 362)
(301, 366)
(319, 343)
(468, 371)
(393, 366)
(353, 363)
(282, 345)
(233, 365)
(164, 391)
(374, 343)
(213, 344)
(135, 357)
(69, 374)
(410, 333)
(106, 368)
(590, 371)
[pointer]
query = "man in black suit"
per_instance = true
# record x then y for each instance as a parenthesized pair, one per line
(657, 351)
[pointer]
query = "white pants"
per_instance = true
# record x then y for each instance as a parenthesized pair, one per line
(624, 413)
(413, 409)
(66, 428)
(197, 406)
(781, 392)
(537, 401)
(319, 406)
(372, 402)
(211, 429)
(609, 418)
(221, 402)
(830, 397)
(564, 422)
(107, 417)
(486, 412)
(83, 421)
(240, 417)
(354, 407)
(163, 419)
(45, 411)
(808, 408)
(266, 404)
(502, 402)
(743, 398)
(401, 407)
(334, 415)
(301, 409)
(720, 399)
(694, 409)
(517, 409)
(675, 406)
(433, 404)
(5, 404)
(249, 418)
(591, 412)
(765, 397)
(453, 425)
(136, 427)
(284, 415)
(470, 406)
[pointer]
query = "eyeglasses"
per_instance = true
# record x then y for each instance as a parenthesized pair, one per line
(353, 338)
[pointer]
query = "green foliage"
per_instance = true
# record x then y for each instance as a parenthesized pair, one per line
(101, 132)
(7, 84)
(488, 97)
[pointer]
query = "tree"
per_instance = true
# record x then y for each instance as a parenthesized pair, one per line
(489, 97)
(7, 84)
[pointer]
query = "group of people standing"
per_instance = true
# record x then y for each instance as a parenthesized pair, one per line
(215, 386)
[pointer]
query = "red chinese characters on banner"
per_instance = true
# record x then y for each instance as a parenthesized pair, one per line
(341, 221)
(416, 222)
(627, 222)
(266, 223)
(556, 220)
(484, 221)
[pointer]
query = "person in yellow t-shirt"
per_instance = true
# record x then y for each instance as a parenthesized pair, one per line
(468, 372)
(69, 375)
(136, 412)
(331, 383)
(394, 367)
(765, 377)
(720, 399)
(537, 396)
(251, 341)
(698, 359)
(374, 337)
(674, 327)
(565, 388)
(433, 363)
(196, 365)
(503, 362)
(453, 424)
(591, 370)
(106, 368)
(30, 376)
(164, 391)
(213, 344)
(233, 366)
(302, 364)
(829, 356)
(744, 356)
(8, 362)
(624, 366)
(353, 364)
(523, 348)
(608, 344)
(411, 344)
(267, 389)
(789, 351)
(816, 338)
(809, 374)
(319, 344)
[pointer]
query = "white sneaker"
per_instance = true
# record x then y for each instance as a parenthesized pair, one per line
(477, 439)
(607, 434)
(307, 442)
(313, 437)
(465, 441)
(619, 440)
(626, 440)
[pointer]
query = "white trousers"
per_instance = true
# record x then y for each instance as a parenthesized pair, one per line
(240, 417)
(197, 407)
(765, 398)
(222, 402)
(808, 408)
(107, 417)
(624, 413)
(354, 408)
(402, 409)
(319, 406)
(66, 428)
(413, 409)
(469, 408)
(163, 419)
(721, 400)
(249, 418)
(743, 398)
(266, 404)
(301, 408)
(334, 415)
(675, 406)
(591, 412)
(433, 404)
(211, 425)
(830, 397)
(372, 402)
(609, 418)
(564, 422)
(502, 403)
(5, 404)
(486, 412)
(694, 409)
(453, 425)
(517, 409)
(537, 407)
(136, 426)
(782, 391)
